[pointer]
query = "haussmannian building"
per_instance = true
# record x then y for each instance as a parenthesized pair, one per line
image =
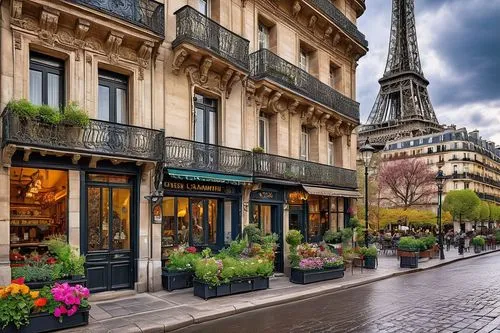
(468, 161)
(206, 115)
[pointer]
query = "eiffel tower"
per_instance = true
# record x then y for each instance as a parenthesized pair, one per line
(402, 107)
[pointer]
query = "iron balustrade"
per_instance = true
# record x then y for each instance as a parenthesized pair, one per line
(305, 172)
(197, 29)
(98, 137)
(476, 177)
(266, 65)
(148, 14)
(193, 155)
(329, 9)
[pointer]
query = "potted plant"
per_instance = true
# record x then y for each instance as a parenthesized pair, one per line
(429, 243)
(334, 240)
(179, 270)
(52, 308)
(478, 243)
(408, 251)
(74, 119)
(369, 256)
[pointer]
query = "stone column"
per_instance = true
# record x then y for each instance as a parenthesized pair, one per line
(74, 208)
(5, 276)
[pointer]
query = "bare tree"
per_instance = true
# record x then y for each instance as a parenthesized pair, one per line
(407, 182)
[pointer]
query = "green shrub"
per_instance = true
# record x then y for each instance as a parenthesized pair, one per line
(23, 108)
(478, 241)
(293, 238)
(73, 115)
(410, 244)
(49, 115)
(182, 261)
(346, 234)
(333, 237)
(234, 249)
(207, 271)
(429, 241)
(252, 233)
(368, 252)
(258, 150)
(69, 261)
(32, 273)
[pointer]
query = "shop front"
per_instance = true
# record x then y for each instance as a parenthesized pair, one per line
(198, 213)
(266, 211)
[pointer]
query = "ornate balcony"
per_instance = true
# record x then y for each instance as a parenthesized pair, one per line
(332, 12)
(266, 65)
(198, 156)
(196, 29)
(148, 14)
(98, 138)
(303, 172)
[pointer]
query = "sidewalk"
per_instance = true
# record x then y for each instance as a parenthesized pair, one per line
(166, 311)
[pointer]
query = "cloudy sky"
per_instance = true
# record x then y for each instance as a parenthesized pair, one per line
(459, 43)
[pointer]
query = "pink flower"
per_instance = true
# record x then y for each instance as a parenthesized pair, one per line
(69, 299)
(72, 310)
(59, 311)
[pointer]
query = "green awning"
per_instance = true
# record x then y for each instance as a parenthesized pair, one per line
(208, 177)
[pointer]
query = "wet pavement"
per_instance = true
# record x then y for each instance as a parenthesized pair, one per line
(460, 297)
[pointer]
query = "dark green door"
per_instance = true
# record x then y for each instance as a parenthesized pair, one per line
(109, 228)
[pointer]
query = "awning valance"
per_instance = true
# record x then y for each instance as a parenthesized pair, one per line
(208, 177)
(331, 192)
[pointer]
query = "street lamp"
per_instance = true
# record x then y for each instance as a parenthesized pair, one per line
(366, 153)
(440, 179)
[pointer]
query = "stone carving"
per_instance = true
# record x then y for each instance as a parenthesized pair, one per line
(94, 44)
(312, 22)
(348, 49)
(292, 106)
(228, 73)
(49, 19)
(260, 95)
(144, 57)
(17, 40)
(334, 129)
(212, 82)
(127, 53)
(250, 90)
(336, 39)
(324, 118)
(17, 9)
(236, 77)
(206, 63)
(296, 9)
(112, 45)
(307, 114)
(81, 28)
(328, 32)
(277, 105)
(179, 57)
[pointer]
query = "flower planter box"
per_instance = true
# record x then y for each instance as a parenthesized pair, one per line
(477, 249)
(425, 254)
(408, 259)
(176, 280)
(73, 281)
(304, 277)
(370, 262)
(236, 286)
(45, 322)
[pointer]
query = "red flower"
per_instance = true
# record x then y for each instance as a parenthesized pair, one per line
(41, 302)
(18, 281)
(191, 249)
(51, 261)
(322, 248)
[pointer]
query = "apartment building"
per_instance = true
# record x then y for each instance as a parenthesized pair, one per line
(468, 161)
(205, 116)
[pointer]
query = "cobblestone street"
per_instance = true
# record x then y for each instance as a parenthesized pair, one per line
(461, 297)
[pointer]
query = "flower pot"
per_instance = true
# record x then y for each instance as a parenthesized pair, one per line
(241, 286)
(477, 249)
(370, 262)
(236, 286)
(310, 276)
(409, 261)
(425, 254)
(176, 280)
(74, 280)
(260, 283)
(45, 322)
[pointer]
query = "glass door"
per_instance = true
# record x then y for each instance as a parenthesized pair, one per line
(204, 221)
(107, 244)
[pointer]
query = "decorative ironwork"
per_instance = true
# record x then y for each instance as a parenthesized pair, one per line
(192, 155)
(265, 64)
(145, 13)
(329, 9)
(403, 106)
(197, 29)
(99, 137)
(476, 177)
(304, 172)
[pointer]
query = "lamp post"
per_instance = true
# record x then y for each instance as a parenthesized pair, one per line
(440, 179)
(366, 153)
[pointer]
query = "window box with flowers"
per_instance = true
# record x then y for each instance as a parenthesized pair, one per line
(25, 311)
(179, 270)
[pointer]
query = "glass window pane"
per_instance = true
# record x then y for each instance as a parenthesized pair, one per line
(197, 211)
(199, 125)
(265, 219)
(168, 224)
(121, 218)
(35, 87)
(121, 106)
(261, 133)
(212, 221)
(53, 90)
(203, 7)
(98, 218)
(183, 220)
(340, 205)
(103, 103)
(212, 128)
(314, 219)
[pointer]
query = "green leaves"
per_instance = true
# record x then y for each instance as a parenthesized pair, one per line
(462, 204)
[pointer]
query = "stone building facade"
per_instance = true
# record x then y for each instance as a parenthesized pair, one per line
(468, 161)
(205, 116)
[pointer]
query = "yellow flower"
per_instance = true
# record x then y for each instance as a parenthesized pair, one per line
(2, 292)
(14, 289)
(24, 289)
(34, 294)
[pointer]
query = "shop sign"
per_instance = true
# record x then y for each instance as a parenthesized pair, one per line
(264, 195)
(193, 187)
(156, 212)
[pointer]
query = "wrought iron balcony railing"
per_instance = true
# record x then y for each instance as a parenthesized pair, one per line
(192, 155)
(99, 137)
(148, 14)
(329, 9)
(199, 30)
(305, 172)
(266, 65)
(476, 177)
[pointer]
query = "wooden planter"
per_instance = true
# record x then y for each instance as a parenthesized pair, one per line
(408, 259)
(304, 277)
(236, 286)
(425, 254)
(370, 262)
(45, 322)
(72, 281)
(176, 280)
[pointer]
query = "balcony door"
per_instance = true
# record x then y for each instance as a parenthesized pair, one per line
(205, 132)
(113, 97)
